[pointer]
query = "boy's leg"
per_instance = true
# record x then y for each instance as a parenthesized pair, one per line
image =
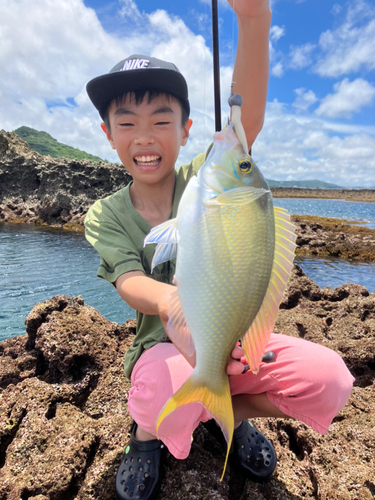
(307, 381)
(149, 393)
(157, 375)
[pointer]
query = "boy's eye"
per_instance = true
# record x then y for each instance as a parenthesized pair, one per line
(126, 124)
(162, 123)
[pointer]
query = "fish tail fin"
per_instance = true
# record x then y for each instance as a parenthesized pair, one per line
(218, 403)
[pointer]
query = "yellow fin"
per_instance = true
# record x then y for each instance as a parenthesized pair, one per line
(218, 404)
(257, 336)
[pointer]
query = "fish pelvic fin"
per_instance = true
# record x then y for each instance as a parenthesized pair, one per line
(166, 236)
(219, 404)
(256, 338)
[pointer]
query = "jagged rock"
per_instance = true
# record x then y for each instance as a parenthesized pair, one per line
(46, 190)
(64, 419)
(326, 237)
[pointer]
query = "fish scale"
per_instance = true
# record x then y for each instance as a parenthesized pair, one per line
(234, 256)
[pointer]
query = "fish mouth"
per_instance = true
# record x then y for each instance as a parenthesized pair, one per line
(147, 160)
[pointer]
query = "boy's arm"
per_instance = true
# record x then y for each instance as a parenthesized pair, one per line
(147, 296)
(151, 297)
(144, 294)
(251, 68)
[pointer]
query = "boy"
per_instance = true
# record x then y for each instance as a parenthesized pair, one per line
(145, 110)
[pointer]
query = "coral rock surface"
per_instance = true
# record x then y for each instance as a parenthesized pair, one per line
(64, 420)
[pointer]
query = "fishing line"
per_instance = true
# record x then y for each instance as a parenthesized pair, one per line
(233, 28)
(215, 47)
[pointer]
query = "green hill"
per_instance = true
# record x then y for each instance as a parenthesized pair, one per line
(45, 144)
(302, 184)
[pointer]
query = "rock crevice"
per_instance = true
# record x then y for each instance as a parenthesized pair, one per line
(64, 420)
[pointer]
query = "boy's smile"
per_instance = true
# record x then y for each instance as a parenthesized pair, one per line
(147, 136)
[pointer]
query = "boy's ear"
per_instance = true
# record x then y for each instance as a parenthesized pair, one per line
(186, 130)
(108, 134)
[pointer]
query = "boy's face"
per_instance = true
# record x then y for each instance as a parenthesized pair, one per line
(147, 137)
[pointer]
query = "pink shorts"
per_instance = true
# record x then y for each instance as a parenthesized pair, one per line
(307, 382)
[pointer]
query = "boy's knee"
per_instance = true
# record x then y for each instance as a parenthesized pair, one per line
(332, 382)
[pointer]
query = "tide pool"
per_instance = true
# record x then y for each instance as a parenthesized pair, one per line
(36, 264)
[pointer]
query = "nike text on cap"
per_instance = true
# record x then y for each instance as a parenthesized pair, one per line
(134, 73)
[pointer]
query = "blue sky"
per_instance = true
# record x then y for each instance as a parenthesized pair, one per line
(321, 100)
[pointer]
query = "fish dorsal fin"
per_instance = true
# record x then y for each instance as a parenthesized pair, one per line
(237, 196)
(165, 235)
(257, 337)
(177, 328)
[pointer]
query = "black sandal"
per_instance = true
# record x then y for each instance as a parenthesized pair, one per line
(250, 449)
(140, 473)
(253, 453)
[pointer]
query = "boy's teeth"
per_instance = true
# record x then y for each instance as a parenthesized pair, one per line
(146, 159)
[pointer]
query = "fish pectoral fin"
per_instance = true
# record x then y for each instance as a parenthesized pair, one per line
(237, 196)
(218, 404)
(178, 330)
(256, 338)
(166, 237)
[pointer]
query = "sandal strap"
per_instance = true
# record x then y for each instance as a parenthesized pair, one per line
(254, 453)
(140, 473)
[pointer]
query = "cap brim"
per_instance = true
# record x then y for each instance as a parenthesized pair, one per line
(103, 89)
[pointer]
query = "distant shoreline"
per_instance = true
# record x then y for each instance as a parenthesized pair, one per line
(362, 195)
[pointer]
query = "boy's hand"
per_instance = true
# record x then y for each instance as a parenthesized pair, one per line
(234, 366)
(249, 8)
(236, 362)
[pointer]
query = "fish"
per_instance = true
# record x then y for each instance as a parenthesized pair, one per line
(234, 254)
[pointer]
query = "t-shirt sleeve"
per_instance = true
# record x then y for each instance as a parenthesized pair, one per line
(118, 254)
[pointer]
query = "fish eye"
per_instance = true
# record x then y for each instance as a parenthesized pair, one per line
(246, 165)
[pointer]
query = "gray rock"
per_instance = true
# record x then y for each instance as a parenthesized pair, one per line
(42, 189)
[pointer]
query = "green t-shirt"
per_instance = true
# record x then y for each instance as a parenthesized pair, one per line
(117, 232)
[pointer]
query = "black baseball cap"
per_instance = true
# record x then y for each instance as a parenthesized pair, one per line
(134, 73)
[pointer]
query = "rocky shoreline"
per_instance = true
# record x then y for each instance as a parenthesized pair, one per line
(58, 192)
(325, 237)
(63, 394)
(51, 191)
(64, 419)
(363, 195)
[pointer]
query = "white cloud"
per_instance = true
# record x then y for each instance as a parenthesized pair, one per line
(129, 9)
(49, 52)
(301, 56)
(351, 46)
(276, 32)
(336, 9)
(309, 148)
(277, 69)
(304, 99)
(276, 56)
(49, 59)
(349, 98)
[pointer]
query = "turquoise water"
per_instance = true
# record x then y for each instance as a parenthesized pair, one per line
(36, 264)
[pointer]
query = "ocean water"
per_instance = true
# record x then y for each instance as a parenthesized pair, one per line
(338, 209)
(38, 263)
